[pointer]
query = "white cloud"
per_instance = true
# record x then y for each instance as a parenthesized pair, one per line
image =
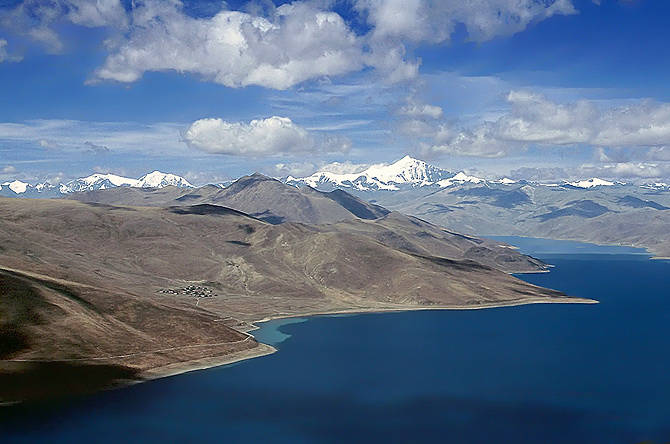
(345, 167)
(478, 142)
(300, 41)
(95, 148)
(33, 19)
(4, 55)
(274, 47)
(539, 173)
(435, 20)
(397, 23)
(339, 125)
(271, 136)
(533, 119)
(96, 13)
(632, 170)
(295, 169)
(303, 169)
(416, 109)
(36, 19)
(118, 137)
(233, 48)
(9, 169)
(47, 144)
(3, 50)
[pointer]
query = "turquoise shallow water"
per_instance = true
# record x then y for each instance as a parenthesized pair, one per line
(530, 374)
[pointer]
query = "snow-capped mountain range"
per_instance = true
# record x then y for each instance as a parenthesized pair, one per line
(155, 179)
(406, 173)
(402, 173)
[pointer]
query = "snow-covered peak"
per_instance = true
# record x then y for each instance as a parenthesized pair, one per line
(462, 177)
(506, 181)
(97, 181)
(459, 178)
(656, 186)
(44, 186)
(16, 186)
(406, 172)
(590, 183)
(115, 180)
(157, 179)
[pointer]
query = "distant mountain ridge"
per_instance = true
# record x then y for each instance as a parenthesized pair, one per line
(410, 173)
(97, 181)
(405, 174)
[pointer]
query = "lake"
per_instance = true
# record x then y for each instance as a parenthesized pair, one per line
(554, 373)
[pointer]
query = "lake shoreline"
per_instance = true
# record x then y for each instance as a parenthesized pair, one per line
(262, 349)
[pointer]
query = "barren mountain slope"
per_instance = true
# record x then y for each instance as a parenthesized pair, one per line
(257, 195)
(275, 202)
(110, 285)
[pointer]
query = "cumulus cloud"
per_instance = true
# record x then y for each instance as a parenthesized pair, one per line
(274, 135)
(533, 119)
(299, 42)
(274, 47)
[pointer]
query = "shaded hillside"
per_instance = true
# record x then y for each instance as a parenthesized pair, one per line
(138, 288)
(420, 237)
(61, 338)
(255, 267)
(257, 195)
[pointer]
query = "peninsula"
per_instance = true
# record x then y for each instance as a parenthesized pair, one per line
(120, 293)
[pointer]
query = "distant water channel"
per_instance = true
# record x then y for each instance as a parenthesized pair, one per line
(532, 374)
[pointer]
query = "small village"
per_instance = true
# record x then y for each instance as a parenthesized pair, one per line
(196, 291)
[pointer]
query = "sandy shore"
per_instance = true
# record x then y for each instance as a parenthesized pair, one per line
(435, 307)
(214, 361)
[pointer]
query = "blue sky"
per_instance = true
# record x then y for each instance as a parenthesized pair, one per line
(211, 90)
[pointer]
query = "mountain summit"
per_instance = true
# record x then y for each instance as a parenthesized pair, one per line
(156, 179)
(406, 172)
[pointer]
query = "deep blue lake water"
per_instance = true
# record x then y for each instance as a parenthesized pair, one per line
(555, 373)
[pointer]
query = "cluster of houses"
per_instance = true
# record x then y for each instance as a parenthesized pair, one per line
(196, 291)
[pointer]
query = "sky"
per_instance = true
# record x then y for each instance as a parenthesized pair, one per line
(212, 90)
